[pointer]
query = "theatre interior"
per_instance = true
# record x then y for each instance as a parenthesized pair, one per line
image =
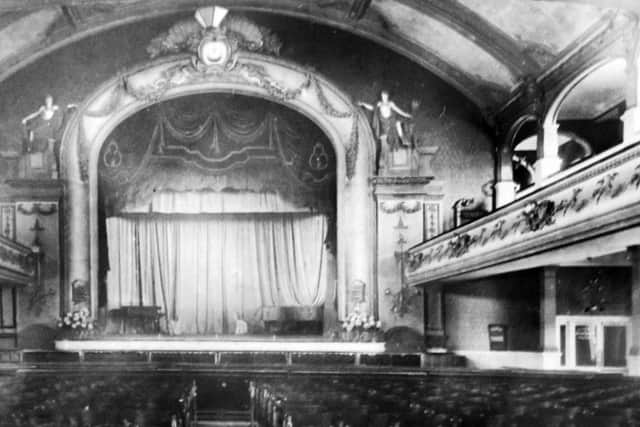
(319, 213)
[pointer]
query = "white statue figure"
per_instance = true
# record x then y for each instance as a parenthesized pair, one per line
(387, 126)
(42, 134)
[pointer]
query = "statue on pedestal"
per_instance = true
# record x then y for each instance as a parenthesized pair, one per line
(42, 130)
(387, 127)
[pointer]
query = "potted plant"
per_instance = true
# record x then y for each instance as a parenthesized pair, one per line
(360, 327)
(76, 324)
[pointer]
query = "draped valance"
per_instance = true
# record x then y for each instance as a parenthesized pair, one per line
(208, 202)
(212, 146)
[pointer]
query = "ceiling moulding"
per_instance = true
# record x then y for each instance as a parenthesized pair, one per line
(370, 27)
(477, 29)
(550, 26)
(446, 42)
(600, 42)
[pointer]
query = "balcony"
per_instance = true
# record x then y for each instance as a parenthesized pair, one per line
(17, 266)
(589, 210)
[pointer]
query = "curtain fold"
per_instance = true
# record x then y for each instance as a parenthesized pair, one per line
(206, 271)
(197, 202)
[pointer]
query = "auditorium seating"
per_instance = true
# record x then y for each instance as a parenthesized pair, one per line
(187, 413)
(469, 401)
(368, 397)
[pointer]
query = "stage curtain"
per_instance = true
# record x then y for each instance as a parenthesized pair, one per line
(205, 271)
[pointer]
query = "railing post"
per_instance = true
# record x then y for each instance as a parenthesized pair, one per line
(631, 117)
(504, 189)
(548, 161)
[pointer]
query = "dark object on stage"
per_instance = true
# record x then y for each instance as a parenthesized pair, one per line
(297, 320)
(134, 319)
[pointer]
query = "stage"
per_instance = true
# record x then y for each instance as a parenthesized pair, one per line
(241, 352)
(231, 344)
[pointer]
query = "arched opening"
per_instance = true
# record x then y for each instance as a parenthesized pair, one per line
(583, 119)
(572, 149)
(216, 208)
(87, 140)
(590, 107)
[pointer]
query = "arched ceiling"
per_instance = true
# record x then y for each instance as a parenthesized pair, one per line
(484, 48)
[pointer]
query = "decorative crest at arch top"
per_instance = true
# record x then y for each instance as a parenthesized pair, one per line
(214, 38)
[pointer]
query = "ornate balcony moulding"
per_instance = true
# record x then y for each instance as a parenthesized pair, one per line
(602, 198)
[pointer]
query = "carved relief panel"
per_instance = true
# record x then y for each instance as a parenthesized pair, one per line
(406, 216)
(37, 226)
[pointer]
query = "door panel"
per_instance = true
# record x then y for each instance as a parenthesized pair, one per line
(586, 345)
(615, 346)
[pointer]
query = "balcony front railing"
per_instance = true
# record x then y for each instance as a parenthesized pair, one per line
(593, 198)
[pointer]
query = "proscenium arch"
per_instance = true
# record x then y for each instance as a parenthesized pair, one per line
(276, 80)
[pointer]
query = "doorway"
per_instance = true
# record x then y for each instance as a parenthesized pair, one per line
(593, 342)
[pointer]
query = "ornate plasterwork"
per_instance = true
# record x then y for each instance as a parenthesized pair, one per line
(169, 78)
(601, 41)
(152, 85)
(539, 214)
(400, 180)
(547, 217)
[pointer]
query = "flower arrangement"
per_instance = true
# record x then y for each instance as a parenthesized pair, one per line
(78, 322)
(360, 327)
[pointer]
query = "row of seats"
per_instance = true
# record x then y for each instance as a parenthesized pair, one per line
(364, 398)
(95, 401)
(454, 401)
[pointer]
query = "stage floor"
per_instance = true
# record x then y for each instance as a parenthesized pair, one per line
(232, 343)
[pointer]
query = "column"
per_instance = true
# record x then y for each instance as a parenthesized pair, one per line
(548, 160)
(548, 312)
(77, 244)
(434, 312)
(505, 187)
(631, 117)
(633, 359)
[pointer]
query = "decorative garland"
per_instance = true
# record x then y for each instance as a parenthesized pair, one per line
(38, 209)
(257, 76)
(403, 206)
(351, 151)
(326, 106)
